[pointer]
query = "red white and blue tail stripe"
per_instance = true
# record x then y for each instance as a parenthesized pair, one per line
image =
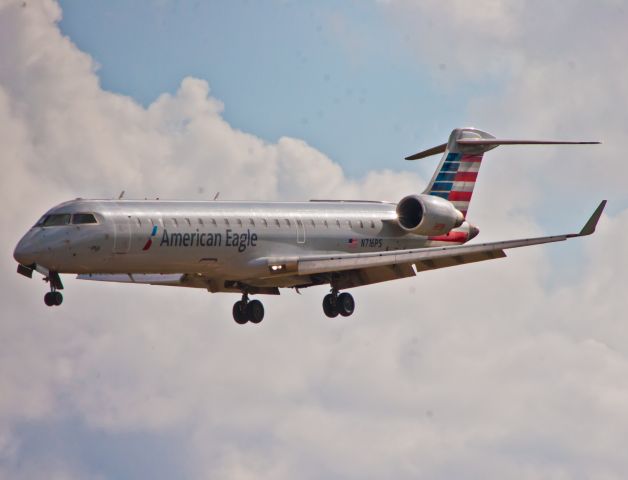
(455, 179)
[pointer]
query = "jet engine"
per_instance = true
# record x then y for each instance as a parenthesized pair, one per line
(427, 215)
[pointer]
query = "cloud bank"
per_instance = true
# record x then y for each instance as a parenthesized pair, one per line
(485, 371)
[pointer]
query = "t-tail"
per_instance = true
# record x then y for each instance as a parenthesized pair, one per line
(457, 172)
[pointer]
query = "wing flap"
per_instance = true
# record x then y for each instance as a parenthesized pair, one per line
(455, 260)
(368, 276)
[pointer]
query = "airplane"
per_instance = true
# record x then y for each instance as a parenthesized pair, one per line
(255, 248)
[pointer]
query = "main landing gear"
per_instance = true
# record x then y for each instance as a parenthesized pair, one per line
(246, 310)
(335, 304)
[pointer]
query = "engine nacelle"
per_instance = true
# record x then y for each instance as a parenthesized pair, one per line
(428, 215)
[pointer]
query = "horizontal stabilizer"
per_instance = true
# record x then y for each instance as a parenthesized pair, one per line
(474, 141)
(500, 141)
(428, 153)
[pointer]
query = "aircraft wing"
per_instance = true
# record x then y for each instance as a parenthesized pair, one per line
(364, 268)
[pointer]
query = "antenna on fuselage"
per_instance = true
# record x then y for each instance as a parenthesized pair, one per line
(121, 195)
(216, 196)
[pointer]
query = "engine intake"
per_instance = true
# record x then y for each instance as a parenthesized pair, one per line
(428, 215)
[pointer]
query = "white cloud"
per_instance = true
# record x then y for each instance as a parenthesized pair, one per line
(472, 372)
(556, 70)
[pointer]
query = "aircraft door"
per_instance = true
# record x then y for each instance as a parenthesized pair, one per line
(122, 234)
(300, 231)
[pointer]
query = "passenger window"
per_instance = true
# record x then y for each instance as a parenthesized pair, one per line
(326, 224)
(239, 221)
(372, 224)
(188, 220)
(200, 221)
(277, 222)
(174, 220)
(361, 224)
(287, 222)
(57, 220)
(83, 218)
(264, 222)
(338, 223)
(139, 222)
(251, 222)
(214, 222)
(312, 222)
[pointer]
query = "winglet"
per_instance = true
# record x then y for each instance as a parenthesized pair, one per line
(589, 227)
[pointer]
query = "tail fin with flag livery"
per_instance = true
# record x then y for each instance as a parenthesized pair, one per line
(457, 172)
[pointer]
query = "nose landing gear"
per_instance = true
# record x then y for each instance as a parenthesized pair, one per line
(335, 304)
(54, 298)
(248, 311)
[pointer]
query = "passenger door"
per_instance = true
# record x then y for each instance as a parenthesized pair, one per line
(122, 234)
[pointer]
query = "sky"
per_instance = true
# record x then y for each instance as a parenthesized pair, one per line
(281, 68)
(516, 368)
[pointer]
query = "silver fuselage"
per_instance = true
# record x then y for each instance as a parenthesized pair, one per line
(219, 239)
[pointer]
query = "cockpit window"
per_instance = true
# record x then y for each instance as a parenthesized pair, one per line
(56, 220)
(82, 218)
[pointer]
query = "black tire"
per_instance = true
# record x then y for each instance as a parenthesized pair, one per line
(239, 312)
(49, 299)
(329, 306)
(58, 298)
(255, 311)
(345, 304)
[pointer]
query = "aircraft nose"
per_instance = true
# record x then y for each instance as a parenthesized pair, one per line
(25, 251)
(473, 232)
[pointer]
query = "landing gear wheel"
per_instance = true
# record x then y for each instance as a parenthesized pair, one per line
(239, 312)
(345, 304)
(57, 298)
(49, 299)
(330, 306)
(255, 311)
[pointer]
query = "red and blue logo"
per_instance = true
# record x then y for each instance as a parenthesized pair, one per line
(150, 239)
